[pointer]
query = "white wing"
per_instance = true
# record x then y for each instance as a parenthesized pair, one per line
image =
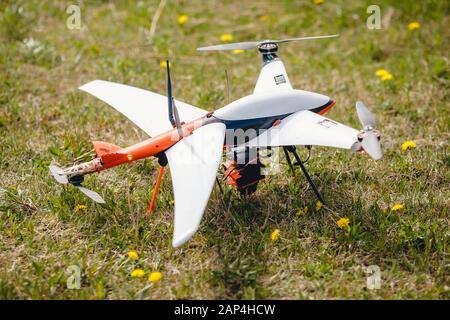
(193, 166)
(148, 110)
(307, 128)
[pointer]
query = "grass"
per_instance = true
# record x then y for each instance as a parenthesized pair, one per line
(44, 118)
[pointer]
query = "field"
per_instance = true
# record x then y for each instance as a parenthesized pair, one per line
(45, 227)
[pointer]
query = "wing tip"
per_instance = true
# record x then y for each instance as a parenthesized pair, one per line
(179, 240)
(87, 86)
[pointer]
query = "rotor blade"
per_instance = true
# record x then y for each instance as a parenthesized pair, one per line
(306, 38)
(232, 46)
(372, 145)
(366, 117)
(253, 44)
(91, 194)
(169, 95)
(55, 171)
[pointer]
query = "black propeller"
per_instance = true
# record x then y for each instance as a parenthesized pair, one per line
(174, 117)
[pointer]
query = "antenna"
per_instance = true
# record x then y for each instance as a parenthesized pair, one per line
(228, 85)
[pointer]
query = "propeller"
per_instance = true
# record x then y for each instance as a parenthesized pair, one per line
(370, 137)
(254, 44)
(61, 178)
(174, 117)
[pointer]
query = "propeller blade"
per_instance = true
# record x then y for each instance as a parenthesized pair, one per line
(55, 171)
(232, 46)
(91, 194)
(366, 117)
(306, 38)
(372, 145)
(253, 44)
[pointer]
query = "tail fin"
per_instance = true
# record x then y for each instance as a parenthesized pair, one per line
(102, 148)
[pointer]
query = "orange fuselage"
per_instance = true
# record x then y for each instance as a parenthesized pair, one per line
(149, 147)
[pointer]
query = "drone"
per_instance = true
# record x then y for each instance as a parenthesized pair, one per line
(192, 141)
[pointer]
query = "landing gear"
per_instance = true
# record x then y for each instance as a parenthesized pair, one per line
(293, 150)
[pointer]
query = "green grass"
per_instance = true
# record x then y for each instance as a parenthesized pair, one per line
(44, 118)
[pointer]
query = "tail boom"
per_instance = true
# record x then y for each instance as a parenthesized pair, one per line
(144, 149)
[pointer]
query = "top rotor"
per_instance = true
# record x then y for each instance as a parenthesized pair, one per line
(268, 50)
(265, 46)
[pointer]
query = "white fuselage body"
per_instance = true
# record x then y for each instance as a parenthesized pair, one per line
(271, 104)
(273, 96)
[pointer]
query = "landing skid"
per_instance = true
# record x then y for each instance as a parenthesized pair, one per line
(293, 150)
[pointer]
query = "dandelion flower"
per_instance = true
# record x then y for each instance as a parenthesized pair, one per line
(317, 2)
(137, 273)
(80, 207)
(319, 205)
(397, 207)
(343, 223)
(182, 19)
(155, 276)
(408, 145)
(163, 64)
(226, 37)
(237, 51)
(384, 75)
(413, 25)
(133, 255)
(275, 235)
(381, 72)
(171, 202)
(263, 18)
(302, 212)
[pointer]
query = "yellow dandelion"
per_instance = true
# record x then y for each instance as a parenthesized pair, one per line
(80, 207)
(238, 51)
(275, 235)
(381, 72)
(397, 207)
(302, 212)
(137, 273)
(133, 255)
(171, 202)
(183, 19)
(263, 18)
(163, 64)
(408, 145)
(343, 223)
(317, 2)
(386, 77)
(226, 37)
(155, 276)
(413, 25)
(319, 205)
